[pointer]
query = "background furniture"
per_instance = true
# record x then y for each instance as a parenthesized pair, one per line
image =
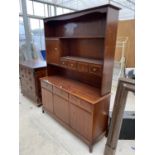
(80, 55)
(128, 125)
(30, 73)
(124, 86)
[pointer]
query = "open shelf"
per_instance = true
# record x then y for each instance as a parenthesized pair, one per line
(80, 59)
(76, 37)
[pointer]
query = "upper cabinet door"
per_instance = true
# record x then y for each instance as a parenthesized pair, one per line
(53, 50)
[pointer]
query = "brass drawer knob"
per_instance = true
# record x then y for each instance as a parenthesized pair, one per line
(56, 49)
(71, 65)
(63, 63)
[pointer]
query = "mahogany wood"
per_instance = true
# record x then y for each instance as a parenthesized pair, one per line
(77, 104)
(61, 108)
(109, 50)
(47, 99)
(80, 51)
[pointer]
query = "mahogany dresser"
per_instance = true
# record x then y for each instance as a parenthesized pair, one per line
(30, 73)
(80, 55)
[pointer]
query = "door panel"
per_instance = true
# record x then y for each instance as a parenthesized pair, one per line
(81, 121)
(61, 108)
(47, 100)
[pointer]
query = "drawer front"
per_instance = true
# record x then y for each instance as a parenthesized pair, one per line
(47, 86)
(30, 72)
(82, 67)
(31, 88)
(30, 79)
(60, 92)
(95, 69)
(72, 65)
(22, 72)
(63, 63)
(81, 103)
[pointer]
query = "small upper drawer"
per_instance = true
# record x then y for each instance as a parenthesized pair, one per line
(95, 69)
(60, 92)
(82, 67)
(31, 88)
(81, 103)
(63, 62)
(72, 64)
(21, 69)
(47, 86)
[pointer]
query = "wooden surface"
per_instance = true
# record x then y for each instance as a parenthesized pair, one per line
(79, 64)
(102, 8)
(80, 55)
(68, 101)
(124, 86)
(126, 28)
(76, 37)
(30, 72)
(109, 50)
(84, 91)
(47, 99)
(34, 64)
(80, 59)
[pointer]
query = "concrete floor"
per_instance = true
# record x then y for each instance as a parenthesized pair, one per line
(39, 134)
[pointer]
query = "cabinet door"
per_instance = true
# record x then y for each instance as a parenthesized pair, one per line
(81, 121)
(61, 108)
(47, 100)
(53, 50)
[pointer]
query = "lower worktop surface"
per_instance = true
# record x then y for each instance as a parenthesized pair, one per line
(81, 90)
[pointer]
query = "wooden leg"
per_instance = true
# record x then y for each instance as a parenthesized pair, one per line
(106, 133)
(109, 151)
(37, 100)
(90, 148)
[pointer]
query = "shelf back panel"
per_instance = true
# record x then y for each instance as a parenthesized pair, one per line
(81, 26)
(86, 48)
(86, 78)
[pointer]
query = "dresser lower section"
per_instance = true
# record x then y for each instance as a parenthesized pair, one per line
(86, 120)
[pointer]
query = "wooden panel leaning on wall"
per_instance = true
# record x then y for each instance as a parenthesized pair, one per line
(80, 56)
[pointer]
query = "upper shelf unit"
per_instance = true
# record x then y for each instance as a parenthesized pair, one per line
(81, 45)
